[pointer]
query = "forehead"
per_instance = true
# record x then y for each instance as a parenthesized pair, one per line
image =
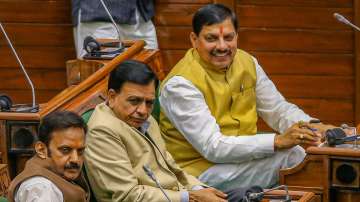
(133, 89)
(225, 26)
(72, 137)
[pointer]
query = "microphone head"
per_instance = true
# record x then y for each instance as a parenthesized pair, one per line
(340, 18)
(254, 194)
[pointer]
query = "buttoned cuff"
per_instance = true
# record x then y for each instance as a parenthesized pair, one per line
(266, 142)
(184, 197)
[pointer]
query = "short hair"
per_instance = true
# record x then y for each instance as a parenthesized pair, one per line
(59, 120)
(212, 14)
(131, 71)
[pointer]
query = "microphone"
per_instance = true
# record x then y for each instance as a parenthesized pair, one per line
(342, 19)
(153, 178)
(34, 107)
(337, 136)
(113, 22)
(257, 196)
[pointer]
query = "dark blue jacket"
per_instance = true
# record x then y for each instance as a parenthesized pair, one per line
(123, 11)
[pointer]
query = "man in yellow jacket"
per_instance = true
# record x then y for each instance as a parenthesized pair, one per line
(210, 102)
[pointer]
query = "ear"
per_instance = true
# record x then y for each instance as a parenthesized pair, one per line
(111, 95)
(193, 39)
(41, 150)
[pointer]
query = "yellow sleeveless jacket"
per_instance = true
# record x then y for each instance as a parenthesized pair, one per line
(230, 97)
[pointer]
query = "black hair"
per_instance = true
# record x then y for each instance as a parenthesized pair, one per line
(212, 14)
(131, 71)
(59, 120)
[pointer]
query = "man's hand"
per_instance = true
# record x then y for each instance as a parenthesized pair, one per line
(299, 133)
(207, 195)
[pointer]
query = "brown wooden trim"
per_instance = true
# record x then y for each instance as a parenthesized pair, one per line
(68, 95)
(333, 151)
(357, 61)
(229, 3)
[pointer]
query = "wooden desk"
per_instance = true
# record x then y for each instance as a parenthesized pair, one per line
(333, 174)
(4, 179)
(299, 196)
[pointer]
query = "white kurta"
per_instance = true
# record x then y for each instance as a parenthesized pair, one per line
(38, 189)
(245, 158)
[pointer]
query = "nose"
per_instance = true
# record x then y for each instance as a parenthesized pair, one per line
(221, 45)
(142, 109)
(74, 157)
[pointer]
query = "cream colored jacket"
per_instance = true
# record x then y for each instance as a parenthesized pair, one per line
(114, 159)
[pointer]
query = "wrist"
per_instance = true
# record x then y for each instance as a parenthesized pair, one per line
(276, 142)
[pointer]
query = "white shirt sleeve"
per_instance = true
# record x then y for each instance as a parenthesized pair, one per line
(38, 189)
(272, 106)
(186, 108)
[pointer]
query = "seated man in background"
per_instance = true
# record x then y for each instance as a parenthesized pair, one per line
(132, 17)
(123, 137)
(54, 173)
(210, 102)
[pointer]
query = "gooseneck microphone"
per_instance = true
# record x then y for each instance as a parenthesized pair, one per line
(34, 108)
(113, 22)
(342, 19)
(152, 176)
(257, 196)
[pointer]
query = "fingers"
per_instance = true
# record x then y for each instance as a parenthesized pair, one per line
(219, 193)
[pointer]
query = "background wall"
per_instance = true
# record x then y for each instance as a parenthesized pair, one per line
(312, 59)
(41, 32)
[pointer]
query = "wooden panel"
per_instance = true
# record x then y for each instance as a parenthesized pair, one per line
(173, 37)
(287, 63)
(23, 96)
(55, 11)
(331, 111)
(341, 110)
(292, 86)
(34, 57)
(22, 34)
(291, 17)
(229, 3)
(269, 40)
(296, 40)
(305, 64)
(171, 57)
(175, 14)
(313, 3)
(357, 62)
(4, 179)
(184, 1)
(41, 78)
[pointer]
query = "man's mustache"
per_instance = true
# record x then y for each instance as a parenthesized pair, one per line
(216, 52)
(72, 166)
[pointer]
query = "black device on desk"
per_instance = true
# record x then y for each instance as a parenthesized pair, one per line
(337, 136)
(105, 51)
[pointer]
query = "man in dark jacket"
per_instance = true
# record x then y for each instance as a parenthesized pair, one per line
(54, 173)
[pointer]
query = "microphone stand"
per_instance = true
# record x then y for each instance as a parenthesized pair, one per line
(34, 108)
(256, 196)
(152, 176)
(342, 19)
(113, 22)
